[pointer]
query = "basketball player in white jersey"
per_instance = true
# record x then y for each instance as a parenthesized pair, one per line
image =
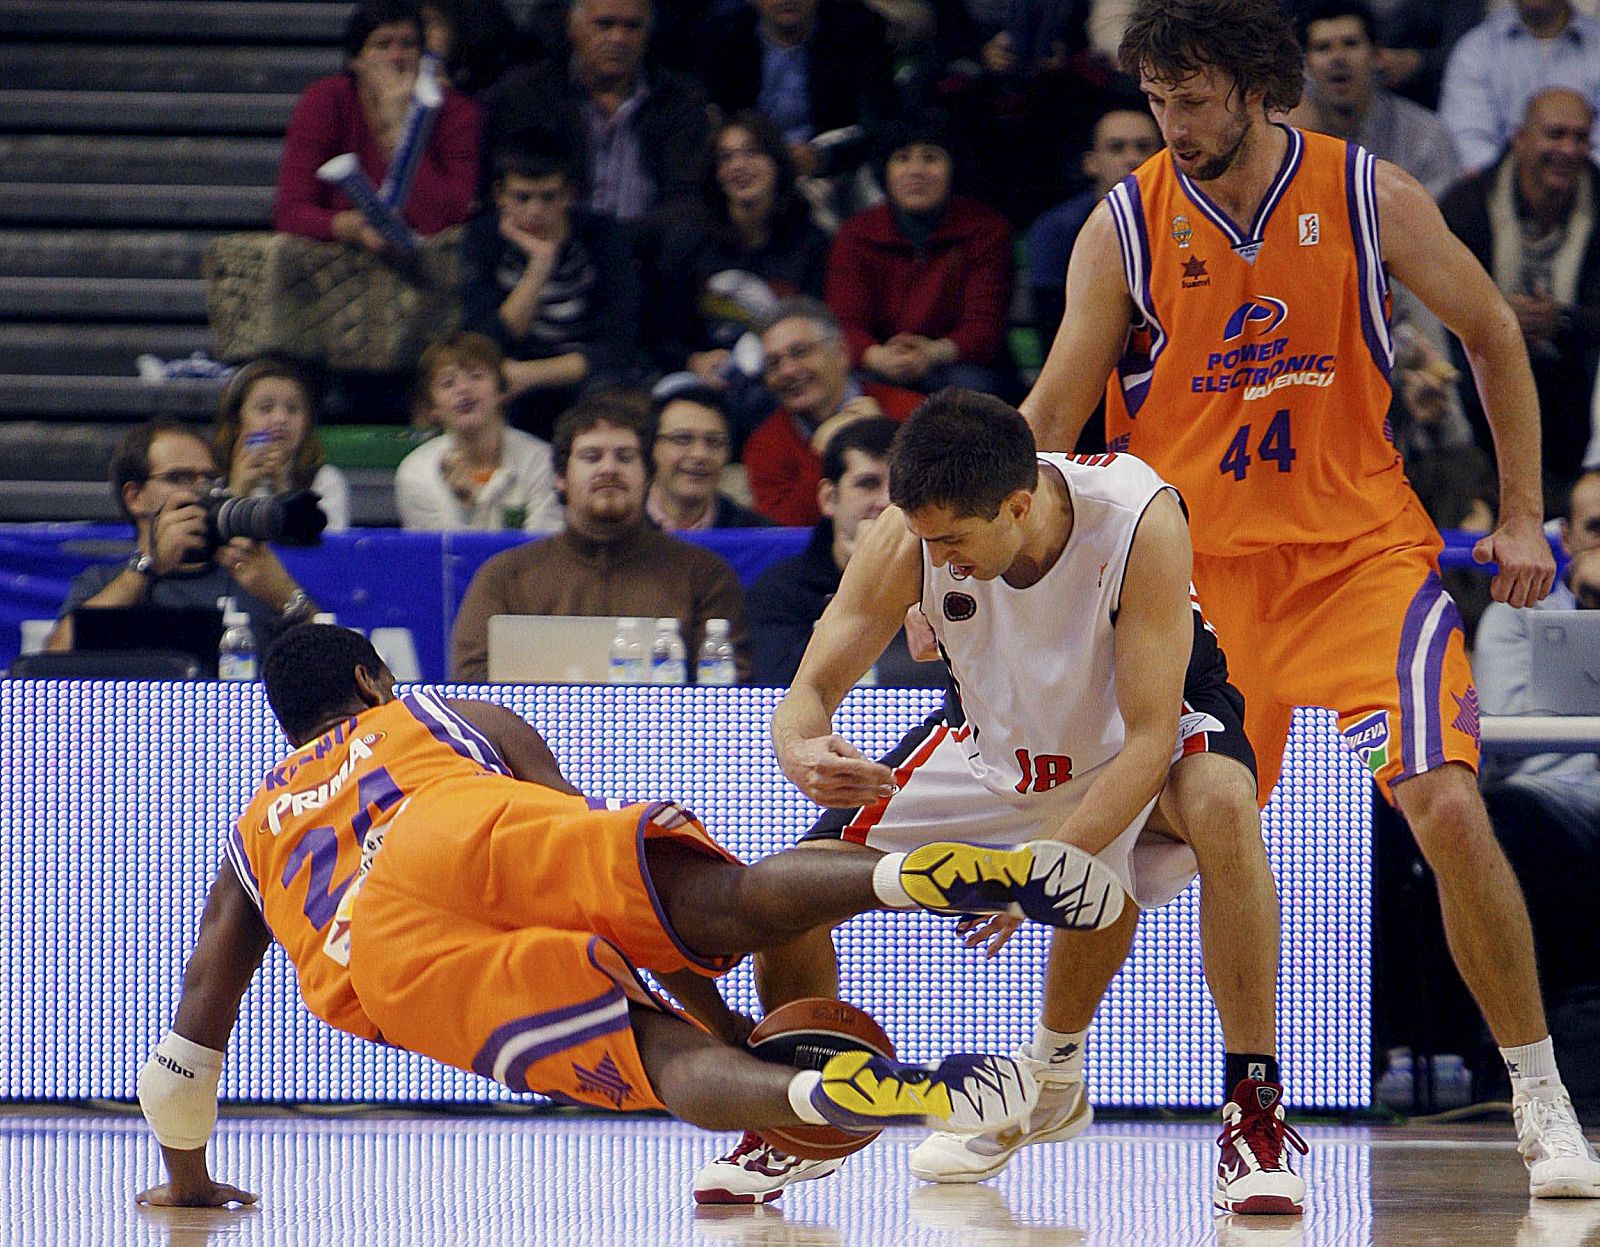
(1058, 589)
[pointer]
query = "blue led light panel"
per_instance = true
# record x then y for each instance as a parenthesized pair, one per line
(114, 798)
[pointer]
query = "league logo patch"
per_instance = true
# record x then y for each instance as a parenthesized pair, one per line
(1368, 739)
(959, 607)
(1310, 229)
(1182, 231)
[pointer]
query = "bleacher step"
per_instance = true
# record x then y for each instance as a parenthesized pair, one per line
(52, 66)
(105, 398)
(174, 160)
(74, 203)
(102, 252)
(177, 20)
(101, 298)
(95, 350)
(153, 112)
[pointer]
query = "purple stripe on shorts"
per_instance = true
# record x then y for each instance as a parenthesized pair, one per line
(484, 1062)
(517, 1072)
(1410, 636)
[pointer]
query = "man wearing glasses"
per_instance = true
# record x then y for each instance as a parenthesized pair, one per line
(808, 370)
(158, 473)
(691, 450)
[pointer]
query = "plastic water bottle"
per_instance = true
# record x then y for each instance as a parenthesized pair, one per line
(627, 653)
(669, 662)
(715, 665)
(236, 653)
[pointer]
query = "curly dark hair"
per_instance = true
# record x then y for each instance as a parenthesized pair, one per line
(310, 674)
(790, 209)
(1252, 41)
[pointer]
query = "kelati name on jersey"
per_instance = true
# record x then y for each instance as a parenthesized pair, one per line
(294, 804)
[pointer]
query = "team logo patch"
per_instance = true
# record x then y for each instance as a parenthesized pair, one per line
(1262, 314)
(1194, 273)
(1467, 718)
(604, 1079)
(959, 607)
(1368, 739)
(1182, 231)
(1310, 229)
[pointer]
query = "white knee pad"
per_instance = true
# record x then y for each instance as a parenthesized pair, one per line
(178, 1092)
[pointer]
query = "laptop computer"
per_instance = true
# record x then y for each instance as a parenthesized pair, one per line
(195, 630)
(1566, 661)
(550, 649)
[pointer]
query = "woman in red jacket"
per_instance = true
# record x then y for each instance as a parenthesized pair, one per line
(922, 282)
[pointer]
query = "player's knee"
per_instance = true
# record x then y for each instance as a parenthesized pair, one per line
(1447, 817)
(1222, 819)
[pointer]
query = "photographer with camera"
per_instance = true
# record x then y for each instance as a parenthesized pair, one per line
(189, 551)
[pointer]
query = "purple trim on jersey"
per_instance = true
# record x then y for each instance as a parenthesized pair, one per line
(1134, 371)
(449, 728)
(1361, 201)
(240, 861)
(1280, 185)
(489, 1055)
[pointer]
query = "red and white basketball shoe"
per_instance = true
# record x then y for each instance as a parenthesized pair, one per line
(754, 1172)
(1253, 1174)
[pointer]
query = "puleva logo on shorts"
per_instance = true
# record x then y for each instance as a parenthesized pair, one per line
(1368, 739)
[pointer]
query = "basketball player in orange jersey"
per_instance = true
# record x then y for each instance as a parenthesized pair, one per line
(1234, 289)
(441, 888)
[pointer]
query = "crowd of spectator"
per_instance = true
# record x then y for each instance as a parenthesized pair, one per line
(710, 253)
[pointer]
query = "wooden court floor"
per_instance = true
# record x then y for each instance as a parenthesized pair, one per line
(398, 1181)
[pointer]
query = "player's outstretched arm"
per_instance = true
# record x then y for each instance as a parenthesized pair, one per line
(1093, 333)
(519, 745)
(704, 1002)
(882, 579)
(1155, 631)
(1421, 252)
(178, 1084)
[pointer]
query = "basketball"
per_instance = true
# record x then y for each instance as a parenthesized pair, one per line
(805, 1034)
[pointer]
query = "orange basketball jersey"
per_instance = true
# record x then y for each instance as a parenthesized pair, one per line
(1256, 378)
(300, 843)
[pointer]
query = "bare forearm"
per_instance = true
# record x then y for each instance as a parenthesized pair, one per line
(1117, 795)
(534, 374)
(520, 306)
(1505, 385)
(801, 715)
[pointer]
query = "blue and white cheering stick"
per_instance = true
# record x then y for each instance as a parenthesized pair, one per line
(426, 100)
(346, 173)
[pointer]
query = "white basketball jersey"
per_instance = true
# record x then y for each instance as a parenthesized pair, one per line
(1035, 668)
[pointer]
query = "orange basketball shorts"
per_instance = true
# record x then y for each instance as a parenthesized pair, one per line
(501, 930)
(1363, 628)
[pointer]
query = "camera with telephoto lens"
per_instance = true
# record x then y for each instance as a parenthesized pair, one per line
(294, 518)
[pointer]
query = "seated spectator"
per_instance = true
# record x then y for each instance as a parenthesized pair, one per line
(692, 447)
(1124, 138)
(642, 130)
(609, 559)
(922, 282)
(1498, 67)
(815, 67)
(1546, 813)
(754, 244)
(158, 473)
(1531, 220)
(267, 434)
(363, 111)
(475, 40)
(1415, 40)
(551, 282)
(789, 597)
(479, 473)
(1344, 98)
(808, 370)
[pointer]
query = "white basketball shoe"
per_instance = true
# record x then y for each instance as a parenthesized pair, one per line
(1561, 1164)
(755, 1172)
(1063, 1111)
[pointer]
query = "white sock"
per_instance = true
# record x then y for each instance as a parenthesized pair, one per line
(1061, 1052)
(800, 1088)
(1532, 1066)
(886, 882)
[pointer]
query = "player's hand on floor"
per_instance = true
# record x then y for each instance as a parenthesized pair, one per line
(1527, 569)
(833, 772)
(208, 1195)
(991, 933)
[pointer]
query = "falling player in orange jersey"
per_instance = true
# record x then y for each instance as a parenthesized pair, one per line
(1234, 289)
(440, 887)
